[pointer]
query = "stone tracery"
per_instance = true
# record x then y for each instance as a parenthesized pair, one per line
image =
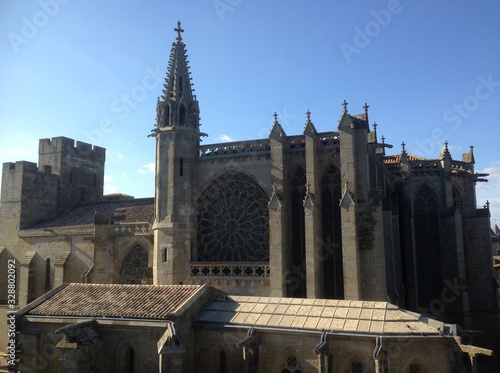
(233, 221)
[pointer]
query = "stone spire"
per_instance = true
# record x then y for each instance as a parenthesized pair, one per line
(178, 106)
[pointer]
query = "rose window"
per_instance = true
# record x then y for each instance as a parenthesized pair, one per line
(233, 221)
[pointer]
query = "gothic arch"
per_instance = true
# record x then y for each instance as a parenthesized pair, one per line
(415, 367)
(332, 232)
(354, 363)
(233, 220)
(457, 198)
(427, 245)
(289, 361)
(127, 359)
(134, 266)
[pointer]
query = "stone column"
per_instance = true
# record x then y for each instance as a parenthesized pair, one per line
(312, 215)
(278, 214)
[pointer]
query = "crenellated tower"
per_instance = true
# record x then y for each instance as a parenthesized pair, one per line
(177, 137)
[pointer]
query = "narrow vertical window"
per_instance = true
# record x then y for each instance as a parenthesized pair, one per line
(428, 251)
(181, 167)
(182, 116)
(297, 278)
(222, 362)
(47, 274)
(332, 234)
(130, 361)
(165, 257)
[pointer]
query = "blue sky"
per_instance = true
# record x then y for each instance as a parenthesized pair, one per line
(92, 71)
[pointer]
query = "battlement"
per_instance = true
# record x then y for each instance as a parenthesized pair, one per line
(66, 145)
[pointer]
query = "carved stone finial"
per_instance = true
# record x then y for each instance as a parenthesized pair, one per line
(179, 30)
(403, 147)
(471, 148)
(383, 139)
(366, 108)
(487, 205)
(375, 125)
(344, 104)
(308, 115)
(446, 145)
(275, 115)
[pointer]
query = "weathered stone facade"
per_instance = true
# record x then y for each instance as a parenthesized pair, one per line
(317, 215)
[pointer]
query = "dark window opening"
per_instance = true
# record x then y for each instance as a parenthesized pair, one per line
(165, 253)
(333, 271)
(357, 367)
(428, 251)
(47, 274)
(223, 362)
(182, 116)
(296, 281)
(130, 361)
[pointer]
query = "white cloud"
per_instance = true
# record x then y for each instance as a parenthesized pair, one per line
(225, 138)
(110, 189)
(147, 168)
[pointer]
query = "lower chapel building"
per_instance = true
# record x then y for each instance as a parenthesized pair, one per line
(311, 252)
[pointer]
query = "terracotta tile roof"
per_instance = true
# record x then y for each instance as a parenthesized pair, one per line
(127, 211)
(396, 158)
(344, 316)
(113, 300)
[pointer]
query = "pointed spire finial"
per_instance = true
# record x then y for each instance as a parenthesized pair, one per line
(471, 148)
(487, 205)
(366, 108)
(375, 127)
(383, 139)
(179, 30)
(308, 115)
(344, 104)
(446, 145)
(275, 115)
(403, 147)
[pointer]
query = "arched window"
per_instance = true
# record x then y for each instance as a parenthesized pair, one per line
(356, 367)
(182, 115)
(457, 200)
(427, 246)
(134, 266)
(296, 280)
(126, 359)
(166, 115)
(291, 365)
(416, 367)
(332, 233)
(130, 360)
(233, 221)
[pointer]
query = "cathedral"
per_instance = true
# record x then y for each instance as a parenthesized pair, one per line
(332, 216)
